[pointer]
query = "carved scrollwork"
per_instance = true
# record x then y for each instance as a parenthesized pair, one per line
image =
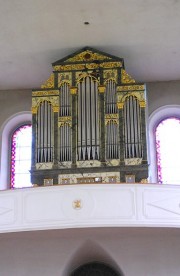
(87, 56)
(64, 77)
(134, 87)
(125, 78)
(49, 83)
(37, 100)
(45, 93)
(110, 74)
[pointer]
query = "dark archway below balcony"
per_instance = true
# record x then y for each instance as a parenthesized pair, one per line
(95, 269)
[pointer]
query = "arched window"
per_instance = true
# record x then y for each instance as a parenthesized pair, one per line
(168, 151)
(159, 119)
(21, 156)
(95, 269)
(8, 127)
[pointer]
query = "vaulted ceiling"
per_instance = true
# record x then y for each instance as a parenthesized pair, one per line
(36, 33)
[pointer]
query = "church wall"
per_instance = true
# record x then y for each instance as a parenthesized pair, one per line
(12, 102)
(133, 251)
(162, 93)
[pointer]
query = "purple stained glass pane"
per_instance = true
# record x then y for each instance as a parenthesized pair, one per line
(168, 151)
(21, 157)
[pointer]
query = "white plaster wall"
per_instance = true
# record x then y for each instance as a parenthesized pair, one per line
(162, 93)
(142, 251)
(12, 102)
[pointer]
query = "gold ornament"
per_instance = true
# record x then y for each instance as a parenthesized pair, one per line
(112, 116)
(45, 93)
(120, 105)
(64, 77)
(113, 121)
(73, 90)
(54, 100)
(130, 87)
(55, 108)
(111, 64)
(101, 89)
(87, 56)
(64, 121)
(144, 181)
(121, 97)
(49, 83)
(110, 74)
(125, 78)
(77, 204)
(34, 110)
(69, 67)
(142, 104)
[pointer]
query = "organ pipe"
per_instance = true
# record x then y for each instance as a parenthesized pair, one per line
(65, 101)
(112, 147)
(110, 97)
(44, 132)
(65, 145)
(65, 129)
(88, 119)
(132, 128)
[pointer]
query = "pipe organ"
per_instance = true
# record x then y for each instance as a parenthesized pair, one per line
(89, 123)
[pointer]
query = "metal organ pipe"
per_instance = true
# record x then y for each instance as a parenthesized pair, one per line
(136, 123)
(83, 129)
(64, 146)
(133, 124)
(132, 128)
(65, 129)
(79, 123)
(94, 128)
(112, 147)
(65, 106)
(38, 156)
(128, 122)
(88, 111)
(88, 119)
(110, 97)
(44, 130)
(139, 139)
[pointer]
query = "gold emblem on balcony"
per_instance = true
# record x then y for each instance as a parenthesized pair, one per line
(77, 204)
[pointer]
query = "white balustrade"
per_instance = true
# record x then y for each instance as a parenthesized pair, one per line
(101, 205)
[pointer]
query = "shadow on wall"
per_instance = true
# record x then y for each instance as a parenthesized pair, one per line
(90, 257)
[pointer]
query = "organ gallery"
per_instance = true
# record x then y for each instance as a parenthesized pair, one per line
(89, 123)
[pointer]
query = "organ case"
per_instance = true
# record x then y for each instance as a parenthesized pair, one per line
(89, 123)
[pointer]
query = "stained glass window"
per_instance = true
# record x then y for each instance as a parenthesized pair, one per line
(168, 151)
(21, 157)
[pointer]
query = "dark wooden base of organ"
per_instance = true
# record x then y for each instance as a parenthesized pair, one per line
(127, 174)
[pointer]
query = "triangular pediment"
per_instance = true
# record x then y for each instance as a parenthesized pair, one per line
(87, 54)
